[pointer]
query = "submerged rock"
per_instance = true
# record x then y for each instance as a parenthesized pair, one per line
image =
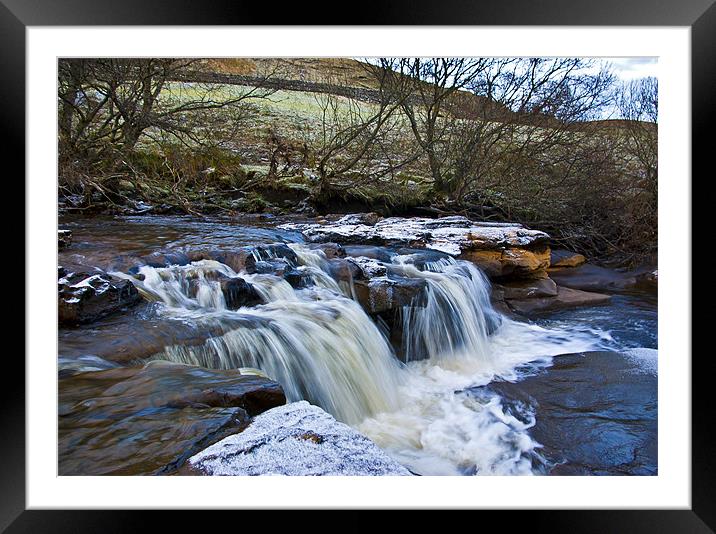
(87, 296)
(296, 439)
(501, 249)
(331, 250)
(253, 259)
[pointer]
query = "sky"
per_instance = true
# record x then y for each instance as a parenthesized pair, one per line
(634, 67)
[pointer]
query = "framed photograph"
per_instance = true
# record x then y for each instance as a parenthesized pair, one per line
(296, 261)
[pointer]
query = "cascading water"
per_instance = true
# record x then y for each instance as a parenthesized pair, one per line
(457, 316)
(318, 342)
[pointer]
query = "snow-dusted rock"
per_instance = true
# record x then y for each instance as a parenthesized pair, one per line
(64, 238)
(369, 268)
(381, 294)
(452, 235)
(85, 296)
(295, 439)
(502, 249)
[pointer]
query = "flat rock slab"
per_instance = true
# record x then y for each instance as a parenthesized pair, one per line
(596, 412)
(143, 420)
(296, 439)
(452, 235)
(594, 278)
(565, 298)
(501, 250)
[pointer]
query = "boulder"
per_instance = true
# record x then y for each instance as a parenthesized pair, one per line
(87, 296)
(648, 280)
(283, 269)
(511, 262)
(235, 259)
(501, 249)
(565, 298)
(368, 267)
(297, 439)
(566, 258)
(165, 259)
(238, 292)
(525, 289)
(343, 270)
(447, 234)
(64, 238)
(381, 294)
(253, 393)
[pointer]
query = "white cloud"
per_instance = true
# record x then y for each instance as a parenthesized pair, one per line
(630, 68)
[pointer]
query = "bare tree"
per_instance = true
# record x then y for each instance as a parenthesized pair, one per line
(109, 104)
(358, 143)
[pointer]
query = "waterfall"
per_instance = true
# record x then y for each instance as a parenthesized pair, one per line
(318, 342)
(320, 345)
(457, 316)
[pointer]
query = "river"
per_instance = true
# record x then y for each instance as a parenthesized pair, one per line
(473, 392)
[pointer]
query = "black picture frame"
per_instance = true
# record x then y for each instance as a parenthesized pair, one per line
(700, 15)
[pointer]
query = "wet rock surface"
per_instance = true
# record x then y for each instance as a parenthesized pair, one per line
(382, 294)
(295, 439)
(596, 412)
(590, 277)
(85, 296)
(131, 337)
(139, 420)
(238, 292)
(527, 289)
(565, 298)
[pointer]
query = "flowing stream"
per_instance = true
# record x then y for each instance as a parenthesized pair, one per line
(321, 346)
(430, 411)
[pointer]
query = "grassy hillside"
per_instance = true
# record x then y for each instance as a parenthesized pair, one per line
(285, 134)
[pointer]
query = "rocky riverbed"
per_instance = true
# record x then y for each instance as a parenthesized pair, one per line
(176, 334)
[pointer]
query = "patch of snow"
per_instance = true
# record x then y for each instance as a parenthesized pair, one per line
(451, 235)
(296, 439)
